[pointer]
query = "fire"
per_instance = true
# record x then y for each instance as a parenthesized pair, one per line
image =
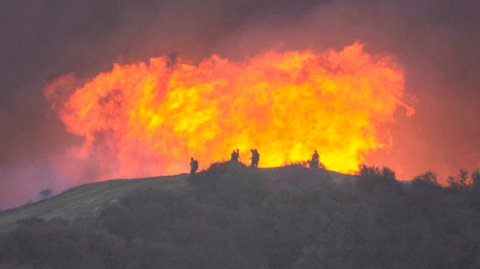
(149, 119)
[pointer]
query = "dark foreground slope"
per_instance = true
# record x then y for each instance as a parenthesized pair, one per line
(231, 216)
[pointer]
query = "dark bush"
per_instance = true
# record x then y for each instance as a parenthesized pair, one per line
(46, 193)
(296, 164)
(461, 182)
(427, 181)
(370, 178)
(212, 175)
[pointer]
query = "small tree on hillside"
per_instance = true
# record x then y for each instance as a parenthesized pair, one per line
(370, 177)
(461, 181)
(45, 194)
(475, 178)
(427, 180)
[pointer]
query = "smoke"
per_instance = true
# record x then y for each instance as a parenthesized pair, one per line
(437, 42)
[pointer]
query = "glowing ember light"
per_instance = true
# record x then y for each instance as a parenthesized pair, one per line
(149, 119)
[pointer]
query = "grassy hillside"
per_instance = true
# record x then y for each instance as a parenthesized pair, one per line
(90, 199)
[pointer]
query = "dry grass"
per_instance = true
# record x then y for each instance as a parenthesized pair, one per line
(89, 199)
(86, 200)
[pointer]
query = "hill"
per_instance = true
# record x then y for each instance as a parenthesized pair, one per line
(87, 199)
(233, 216)
(90, 199)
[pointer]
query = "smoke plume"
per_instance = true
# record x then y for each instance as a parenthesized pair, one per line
(436, 42)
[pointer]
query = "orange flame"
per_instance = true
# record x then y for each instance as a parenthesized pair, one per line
(149, 119)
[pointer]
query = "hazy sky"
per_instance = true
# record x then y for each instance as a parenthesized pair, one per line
(437, 42)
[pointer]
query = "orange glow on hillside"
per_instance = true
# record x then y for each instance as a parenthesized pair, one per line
(149, 119)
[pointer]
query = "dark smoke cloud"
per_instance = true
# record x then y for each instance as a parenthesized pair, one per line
(436, 41)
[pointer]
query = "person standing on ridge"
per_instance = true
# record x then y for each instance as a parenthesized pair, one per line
(255, 157)
(193, 165)
(235, 155)
(314, 163)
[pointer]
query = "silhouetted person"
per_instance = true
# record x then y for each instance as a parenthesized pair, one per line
(255, 158)
(314, 163)
(193, 165)
(235, 155)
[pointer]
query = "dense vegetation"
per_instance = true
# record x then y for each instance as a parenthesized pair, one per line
(231, 216)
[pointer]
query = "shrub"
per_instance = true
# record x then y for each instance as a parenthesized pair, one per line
(372, 177)
(212, 175)
(426, 181)
(461, 182)
(475, 178)
(45, 194)
(296, 164)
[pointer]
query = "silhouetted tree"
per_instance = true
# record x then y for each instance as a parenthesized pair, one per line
(388, 174)
(461, 182)
(463, 177)
(370, 177)
(429, 180)
(366, 171)
(46, 193)
(475, 178)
